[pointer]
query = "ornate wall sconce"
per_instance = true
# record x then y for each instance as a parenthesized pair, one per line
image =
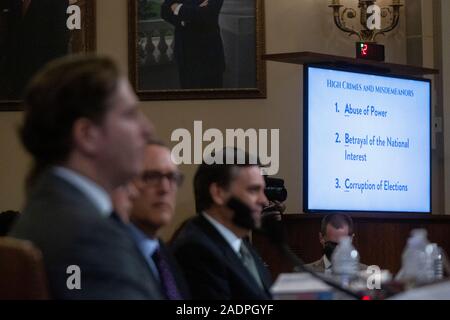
(366, 34)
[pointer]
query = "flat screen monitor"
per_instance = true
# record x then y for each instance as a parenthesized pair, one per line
(366, 142)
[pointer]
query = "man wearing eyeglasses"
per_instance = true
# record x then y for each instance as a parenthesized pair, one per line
(152, 209)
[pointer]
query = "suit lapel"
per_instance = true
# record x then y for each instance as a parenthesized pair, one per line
(154, 282)
(234, 260)
(322, 263)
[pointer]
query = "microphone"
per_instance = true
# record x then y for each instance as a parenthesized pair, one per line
(273, 230)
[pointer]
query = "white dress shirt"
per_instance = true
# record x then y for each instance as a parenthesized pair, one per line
(147, 246)
(227, 234)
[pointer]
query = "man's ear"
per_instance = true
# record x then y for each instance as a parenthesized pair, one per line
(321, 239)
(218, 194)
(86, 136)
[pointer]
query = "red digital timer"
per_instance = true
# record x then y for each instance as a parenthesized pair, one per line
(369, 51)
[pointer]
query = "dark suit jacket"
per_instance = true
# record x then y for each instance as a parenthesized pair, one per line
(212, 269)
(62, 222)
(173, 265)
(198, 42)
(31, 41)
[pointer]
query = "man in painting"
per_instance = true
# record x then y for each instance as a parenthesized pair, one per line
(198, 49)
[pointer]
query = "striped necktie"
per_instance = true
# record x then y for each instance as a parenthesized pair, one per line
(249, 263)
(167, 279)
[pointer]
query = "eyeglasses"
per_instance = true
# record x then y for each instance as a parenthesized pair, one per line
(154, 178)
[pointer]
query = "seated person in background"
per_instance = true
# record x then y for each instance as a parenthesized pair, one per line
(7, 219)
(218, 262)
(152, 209)
(333, 228)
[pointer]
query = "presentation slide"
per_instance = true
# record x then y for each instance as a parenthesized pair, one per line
(368, 142)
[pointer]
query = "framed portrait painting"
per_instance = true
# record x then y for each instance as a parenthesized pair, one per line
(197, 49)
(34, 32)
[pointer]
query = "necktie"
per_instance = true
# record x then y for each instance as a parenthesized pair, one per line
(25, 5)
(249, 263)
(167, 280)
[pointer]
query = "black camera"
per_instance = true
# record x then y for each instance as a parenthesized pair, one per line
(275, 190)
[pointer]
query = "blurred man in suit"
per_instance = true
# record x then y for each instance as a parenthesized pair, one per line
(198, 43)
(87, 137)
(211, 248)
(35, 33)
(333, 228)
(152, 209)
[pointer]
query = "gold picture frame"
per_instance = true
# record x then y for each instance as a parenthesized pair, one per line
(156, 61)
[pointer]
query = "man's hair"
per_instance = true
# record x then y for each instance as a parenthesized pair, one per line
(337, 221)
(65, 90)
(220, 173)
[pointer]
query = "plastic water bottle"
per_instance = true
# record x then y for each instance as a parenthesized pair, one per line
(345, 259)
(417, 266)
(435, 255)
(439, 264)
